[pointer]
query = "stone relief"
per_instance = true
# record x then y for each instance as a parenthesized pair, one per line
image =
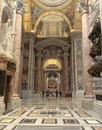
(52, 51)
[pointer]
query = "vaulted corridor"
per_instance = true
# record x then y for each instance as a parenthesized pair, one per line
(50, 64)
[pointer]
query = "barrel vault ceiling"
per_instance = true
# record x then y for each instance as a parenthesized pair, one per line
(45, 17)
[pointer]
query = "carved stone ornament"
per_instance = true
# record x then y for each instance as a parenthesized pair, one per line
(19, 6)
(95, 69)
(95, 37)
(83, 6)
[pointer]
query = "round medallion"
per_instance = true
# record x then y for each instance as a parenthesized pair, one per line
(52, 4)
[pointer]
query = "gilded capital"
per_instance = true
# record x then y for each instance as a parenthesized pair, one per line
(83, 6)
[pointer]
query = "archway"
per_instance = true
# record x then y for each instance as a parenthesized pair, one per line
(48, 13)
(51, 70)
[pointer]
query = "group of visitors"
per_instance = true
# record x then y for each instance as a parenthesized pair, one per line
(48, 93)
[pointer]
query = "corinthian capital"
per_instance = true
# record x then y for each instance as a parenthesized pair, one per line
(83, 6)
(19, 5)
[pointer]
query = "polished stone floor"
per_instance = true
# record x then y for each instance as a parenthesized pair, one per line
(51, 113)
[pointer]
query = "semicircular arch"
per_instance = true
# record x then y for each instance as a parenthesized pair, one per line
(52, 61)
(42, 15)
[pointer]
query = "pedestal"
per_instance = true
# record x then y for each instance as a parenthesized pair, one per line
(79, 93)
(26, 93)
(97, 107)
(97, 104)
(2, 105)
(16, 102)
(87, 103)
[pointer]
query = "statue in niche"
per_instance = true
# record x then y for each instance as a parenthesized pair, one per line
(64, 28)
(6, 39)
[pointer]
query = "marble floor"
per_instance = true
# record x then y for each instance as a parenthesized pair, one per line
(51, 113)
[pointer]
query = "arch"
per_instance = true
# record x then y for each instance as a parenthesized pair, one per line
(52, 41)
(52, 61)
(56, 4)
(42, 15)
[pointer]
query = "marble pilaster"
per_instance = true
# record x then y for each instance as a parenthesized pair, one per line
(31, 65)
(38, 72)
(66, 72)
(76, 64)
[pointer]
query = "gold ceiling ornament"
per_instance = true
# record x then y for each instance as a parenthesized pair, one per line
(44, 14)
(52, 61)
(52, 4)
(27, 23)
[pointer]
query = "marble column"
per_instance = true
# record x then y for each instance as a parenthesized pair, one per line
(17, 57)
(38, 72)
(83, 9)
(66, 72)
(17, 50)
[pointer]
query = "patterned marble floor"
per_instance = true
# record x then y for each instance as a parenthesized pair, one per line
(50, 114)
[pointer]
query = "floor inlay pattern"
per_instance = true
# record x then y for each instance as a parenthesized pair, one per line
(97, 128)
(70, 121)
(18, 113)
(2, 127)
(6, 120)
(82, 114)
(92, 121)
(49, 121)
(28, 121)
(50, 114)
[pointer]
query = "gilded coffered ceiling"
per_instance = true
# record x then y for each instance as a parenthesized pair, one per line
(48, 18)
